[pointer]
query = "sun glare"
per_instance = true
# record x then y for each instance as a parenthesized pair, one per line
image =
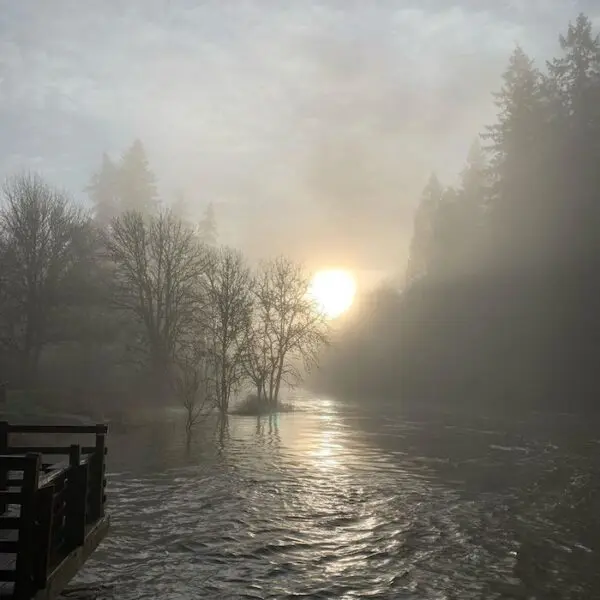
(334, 291)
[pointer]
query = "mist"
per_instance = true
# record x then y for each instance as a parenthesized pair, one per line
(329, 270)
(311, 128)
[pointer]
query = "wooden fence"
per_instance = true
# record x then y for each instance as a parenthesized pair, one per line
(52, 511)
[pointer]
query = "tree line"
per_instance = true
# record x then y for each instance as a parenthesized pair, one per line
(499, 306)
(138, 303)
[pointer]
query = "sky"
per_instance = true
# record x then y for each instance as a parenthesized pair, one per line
(311, 125)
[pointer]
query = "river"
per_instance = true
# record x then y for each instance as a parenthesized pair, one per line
(335, 500)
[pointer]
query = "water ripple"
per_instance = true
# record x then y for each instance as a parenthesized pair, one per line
(304, 506)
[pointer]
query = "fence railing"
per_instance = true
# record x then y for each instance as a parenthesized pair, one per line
(52, 513)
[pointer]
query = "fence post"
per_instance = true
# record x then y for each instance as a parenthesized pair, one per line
(99, 462)
(45, 506)
(27, 544)
(3, 471)
(76, 499)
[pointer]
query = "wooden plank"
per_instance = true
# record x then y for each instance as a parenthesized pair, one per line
(98, 483)
(44, 511)
(53, 477)
(9, 523)
(60, 450)
(10, 497)
(13, 463)
(59, 471)
(8, 546)
(76, 499)
(3, 471)
(20, 428)
(27, 542)
(68, 568)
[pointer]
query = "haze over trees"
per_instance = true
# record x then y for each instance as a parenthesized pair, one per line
(42, 244)
(499, 309)
(499, 295)
(136, 303)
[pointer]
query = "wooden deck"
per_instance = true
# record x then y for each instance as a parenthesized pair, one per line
(52, 511)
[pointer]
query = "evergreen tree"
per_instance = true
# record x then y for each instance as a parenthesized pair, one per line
(137, 183)
(103, 192)
(207, 228)
(474, 178)
(517, 158)
(575, 80)
(421, 247)
(576, 74)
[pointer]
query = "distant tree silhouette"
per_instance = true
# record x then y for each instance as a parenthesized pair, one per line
(421, 247)
(504, 270)
(104, 193)
(207, 228)
(136, 181)
(126, 185)
(40, 242)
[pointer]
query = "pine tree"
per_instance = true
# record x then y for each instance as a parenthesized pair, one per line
(474, 177)
(575, 80)
(137, 183)
(519, 104)
(421, 247)
(207, 228)
(458, 224)
(577, 73)
(103, 192)
(517, 160)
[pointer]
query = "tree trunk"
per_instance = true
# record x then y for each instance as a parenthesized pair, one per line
(278, 380)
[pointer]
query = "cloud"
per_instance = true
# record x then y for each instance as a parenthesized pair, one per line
(312, 125)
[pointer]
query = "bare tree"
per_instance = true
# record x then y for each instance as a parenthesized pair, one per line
(41, 238)
(159, 267)
(259, 340)
(228, 307)
(191, 381)
(288, 329)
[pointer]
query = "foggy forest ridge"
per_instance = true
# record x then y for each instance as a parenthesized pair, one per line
(491, 304)
(497, 309)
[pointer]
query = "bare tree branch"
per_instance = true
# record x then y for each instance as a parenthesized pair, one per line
(39, 233)
(159, 269)
(286, 331)
(228, 309)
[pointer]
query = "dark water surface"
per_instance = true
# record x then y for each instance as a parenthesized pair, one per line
(332, 501)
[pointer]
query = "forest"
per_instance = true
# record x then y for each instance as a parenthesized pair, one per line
(136, 305)
(499, 308)
(136, 301)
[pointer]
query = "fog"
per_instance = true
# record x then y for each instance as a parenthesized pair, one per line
(330, 270)
(311, 126)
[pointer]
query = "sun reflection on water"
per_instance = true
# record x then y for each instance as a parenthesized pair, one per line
(327, 452)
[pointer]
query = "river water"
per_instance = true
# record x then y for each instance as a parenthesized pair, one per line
(335, 500)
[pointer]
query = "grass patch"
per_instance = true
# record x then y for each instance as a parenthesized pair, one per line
(253, 406)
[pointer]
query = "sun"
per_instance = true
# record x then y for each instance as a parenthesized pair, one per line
(334, 291)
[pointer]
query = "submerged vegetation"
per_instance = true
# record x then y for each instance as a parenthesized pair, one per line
(254, 405)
